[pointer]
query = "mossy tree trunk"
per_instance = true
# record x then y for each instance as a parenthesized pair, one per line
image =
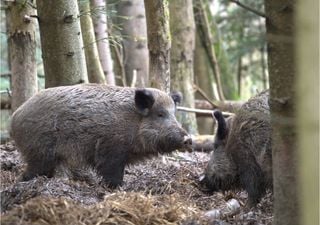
(101, 33)
(307, 47)
(22, 46)
(182, 53)
(94, 68)
(132, 20)
(62, 43)
(280, 39)
(159, 43)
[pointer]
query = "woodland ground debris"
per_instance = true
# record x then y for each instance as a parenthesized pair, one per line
(163, 190)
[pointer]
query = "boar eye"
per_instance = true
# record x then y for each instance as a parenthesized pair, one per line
(161, 114)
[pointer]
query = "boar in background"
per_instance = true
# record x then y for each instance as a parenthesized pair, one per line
(242, 155)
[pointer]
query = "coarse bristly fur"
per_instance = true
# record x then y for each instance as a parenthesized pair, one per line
(105, 127)
(242, 156)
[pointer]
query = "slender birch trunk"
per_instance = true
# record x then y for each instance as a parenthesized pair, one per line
(101, 32)
(94, 68)
(134, 34)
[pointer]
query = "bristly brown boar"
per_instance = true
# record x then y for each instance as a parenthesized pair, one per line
(242, 155)
(99, 126)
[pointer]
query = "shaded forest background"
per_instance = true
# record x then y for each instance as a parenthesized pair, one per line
(237, 38)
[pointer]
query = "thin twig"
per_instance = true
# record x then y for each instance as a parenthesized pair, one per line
(249, 8)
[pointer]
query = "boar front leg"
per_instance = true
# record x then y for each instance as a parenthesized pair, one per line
(39, 165)
(110, 164)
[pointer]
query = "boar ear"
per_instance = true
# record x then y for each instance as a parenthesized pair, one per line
(222, 130)
(144, 100)
(177, 97)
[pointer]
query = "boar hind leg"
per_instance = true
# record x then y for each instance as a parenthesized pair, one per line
(110, 165)
(39, 166)
(251, 178)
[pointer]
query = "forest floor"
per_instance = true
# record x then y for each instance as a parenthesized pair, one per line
(163, 190)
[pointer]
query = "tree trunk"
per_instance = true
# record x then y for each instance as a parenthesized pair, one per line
(134, 33)
(119, 69)
(280, 39)
(101, 33)
(204, 80)
(8, 24)
(206, 38)
(239, 75)
(159, 43)
(94, 68)
(62, 44)
(228, 79)
(22, 45)
(307, 26)
(263, 68)
(183, 45)
(8, 60)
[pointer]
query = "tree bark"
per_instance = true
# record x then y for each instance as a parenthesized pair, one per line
(182, 53)
(101, 33)
(94, 68)
(280, 39)
(22, 45)
(159, 43)
(307, 47)
(62, 43)
(134, 33)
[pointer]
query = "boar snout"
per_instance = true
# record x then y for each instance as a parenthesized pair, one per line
(187, 143)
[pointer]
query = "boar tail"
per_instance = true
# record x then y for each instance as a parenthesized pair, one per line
(222, 126)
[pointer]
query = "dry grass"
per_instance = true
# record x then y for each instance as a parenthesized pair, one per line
(118, 208)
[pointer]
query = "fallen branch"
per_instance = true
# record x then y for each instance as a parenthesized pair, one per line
(200, 112)
(226, 106)
(202, 143)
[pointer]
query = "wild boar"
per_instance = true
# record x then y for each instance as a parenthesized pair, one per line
(99, 126)
(242, 155)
